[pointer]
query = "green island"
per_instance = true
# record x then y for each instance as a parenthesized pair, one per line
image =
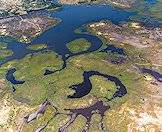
(4, 52)
(3, 46)
(78, 45)
(37, 46)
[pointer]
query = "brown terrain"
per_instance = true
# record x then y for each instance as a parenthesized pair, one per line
(146, 117)
(118, 3)
(134, 34)
(21, 7)
(25, 28)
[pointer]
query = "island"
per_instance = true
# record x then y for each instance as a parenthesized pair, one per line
(78, 45)
(4, 52)
(37, 47)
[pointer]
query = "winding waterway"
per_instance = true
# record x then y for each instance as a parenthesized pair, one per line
(57, 37)
(72, 17)
(10, 77)
(85, 87)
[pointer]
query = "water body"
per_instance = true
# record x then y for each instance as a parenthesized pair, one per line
(113, 49)
(57, 37)
(153, 73)
(11, 78)
(85, 87)
(121, 55)
(87, 112)
(48, 72)
(72, 17)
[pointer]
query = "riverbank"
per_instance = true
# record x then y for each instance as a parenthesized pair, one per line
(89, 90)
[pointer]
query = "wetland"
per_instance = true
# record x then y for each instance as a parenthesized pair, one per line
(96, 71)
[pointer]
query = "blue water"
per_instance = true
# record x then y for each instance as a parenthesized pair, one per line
(151, 1)
(113, 49)
(11, 78)
(57, 37)
(82, 89)
(72, 18)
(48, 72)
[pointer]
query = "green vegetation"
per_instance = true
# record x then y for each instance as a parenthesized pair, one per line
(4, 52)
(78, 125)
(78, 45)
(37, 47)
(102, 87)
(3, 46)
(41, 120)
(31, 70)
(37, 63)
(55, 87)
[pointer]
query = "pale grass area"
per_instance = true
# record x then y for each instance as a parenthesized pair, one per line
(2, 83)
(20, 6)
(12, 114)
(141, 113)
(148, 117)
(4, 112)
(157, 58)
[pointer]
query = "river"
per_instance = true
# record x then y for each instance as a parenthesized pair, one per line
(72, 17)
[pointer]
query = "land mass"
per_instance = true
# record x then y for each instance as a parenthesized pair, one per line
(26, 27)
(37, 47)
(20, 7)
(134, 34)
(114, 86)
(4, 52)
(118, 3)
(78, 45)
